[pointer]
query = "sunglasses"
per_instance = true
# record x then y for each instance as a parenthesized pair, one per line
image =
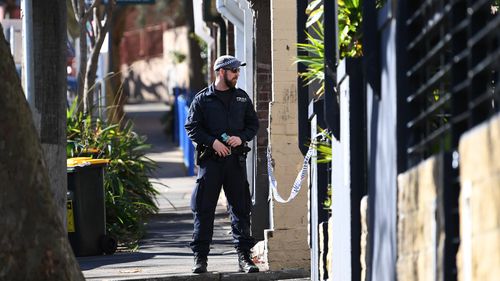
(233, 70)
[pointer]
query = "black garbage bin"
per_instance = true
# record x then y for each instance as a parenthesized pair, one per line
(86, 208)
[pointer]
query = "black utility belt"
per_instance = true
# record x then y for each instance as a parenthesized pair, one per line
(205, 152)
(239, 150)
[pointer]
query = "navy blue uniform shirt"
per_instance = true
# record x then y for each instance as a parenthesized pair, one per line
(209, 118)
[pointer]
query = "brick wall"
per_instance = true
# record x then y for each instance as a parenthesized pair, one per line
(153, 79)
(479, 254)
(142, 44)
(262, 91)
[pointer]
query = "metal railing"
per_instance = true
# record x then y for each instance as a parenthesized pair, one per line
(453, 72)
(453, 60)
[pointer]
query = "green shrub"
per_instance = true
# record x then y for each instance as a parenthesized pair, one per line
(129, 193)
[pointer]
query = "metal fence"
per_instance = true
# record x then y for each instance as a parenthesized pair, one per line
(453, 71)
(452, 52)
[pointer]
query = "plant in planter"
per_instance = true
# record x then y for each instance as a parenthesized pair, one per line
(129, 194)
(315, 48)
(349, 38)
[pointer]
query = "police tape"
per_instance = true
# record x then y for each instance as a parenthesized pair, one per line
(297, 184)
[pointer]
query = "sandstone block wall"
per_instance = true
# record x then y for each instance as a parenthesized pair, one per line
(324, 251)
(363, 209)
(419, 236)
(479, 204)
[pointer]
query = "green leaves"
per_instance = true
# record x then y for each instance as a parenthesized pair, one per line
(324, 147)
(315, 12)
(324, 155)
(315, 48)
(349, 18)
(350, 34)
(315, 60)
(129, 193)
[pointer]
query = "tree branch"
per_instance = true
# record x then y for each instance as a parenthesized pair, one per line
(91, 35)
(76, 9)
(97, 20)
(93, 6)
(92, 62)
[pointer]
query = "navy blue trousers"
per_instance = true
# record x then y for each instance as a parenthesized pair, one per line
(213, 174)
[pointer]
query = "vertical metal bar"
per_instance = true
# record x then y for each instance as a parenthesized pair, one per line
(402, 86)
(313, 209)
(27, 39)
(304, 128)
(331, 105)
(12, 41)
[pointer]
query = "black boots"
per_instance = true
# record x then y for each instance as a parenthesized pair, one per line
(244, 261)
(246, 264)
(200, 264)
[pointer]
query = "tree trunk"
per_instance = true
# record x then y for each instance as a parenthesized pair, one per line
(91, 76)
(33, 241)
(93, 19)
(115, 94)
(196, 79)
(90, 86)
(49, 48)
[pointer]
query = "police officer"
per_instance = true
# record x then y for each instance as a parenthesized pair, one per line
(221, 120)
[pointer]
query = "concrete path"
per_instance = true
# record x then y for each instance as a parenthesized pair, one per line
(164, 253)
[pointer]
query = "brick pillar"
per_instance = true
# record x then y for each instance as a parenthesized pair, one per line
(286, 245)
(262, 92)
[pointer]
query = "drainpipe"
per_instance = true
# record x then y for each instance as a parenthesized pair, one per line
(222, 36)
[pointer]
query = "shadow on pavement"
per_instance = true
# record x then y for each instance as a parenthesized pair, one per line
(88, 263)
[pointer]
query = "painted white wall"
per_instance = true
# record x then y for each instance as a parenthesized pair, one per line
(239, 13)
(200, 28)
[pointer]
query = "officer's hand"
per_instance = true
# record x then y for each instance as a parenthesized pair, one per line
(234, 141)
(220, 148)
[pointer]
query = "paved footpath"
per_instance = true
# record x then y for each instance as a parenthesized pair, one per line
(164, 254)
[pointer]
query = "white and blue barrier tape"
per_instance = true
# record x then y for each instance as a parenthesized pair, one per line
(273, 184)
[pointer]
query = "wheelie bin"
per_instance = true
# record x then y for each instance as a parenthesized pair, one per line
(86, 207)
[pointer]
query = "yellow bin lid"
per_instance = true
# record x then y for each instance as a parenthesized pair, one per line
(84, 161)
